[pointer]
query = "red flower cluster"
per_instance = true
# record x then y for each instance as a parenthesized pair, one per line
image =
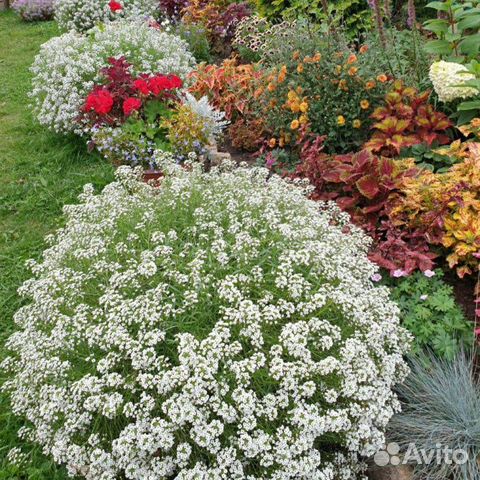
(157, 84)
(122, 94)
(115, 6)
(100, 101)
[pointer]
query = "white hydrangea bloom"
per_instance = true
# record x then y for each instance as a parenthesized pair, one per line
(68, 66)
(447, 79)
(82, 15)
(219, 327)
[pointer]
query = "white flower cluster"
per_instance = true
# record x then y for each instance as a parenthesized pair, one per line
(219, 327)
(68, 66)
(447, 79)
(82, 15)
(214, 120)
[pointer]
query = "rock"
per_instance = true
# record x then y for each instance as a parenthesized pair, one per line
(401, 472)
(214, 156)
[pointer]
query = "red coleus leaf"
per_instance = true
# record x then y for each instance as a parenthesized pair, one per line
(368, 186)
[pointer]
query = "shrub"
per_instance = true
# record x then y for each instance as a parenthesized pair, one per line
(219, 326)
(406, 119)
(82, 15)
(441, 405)
(363, 185)
(34, 10)
(330, 90)
(233, 89)
(68, 66)
(429, 311)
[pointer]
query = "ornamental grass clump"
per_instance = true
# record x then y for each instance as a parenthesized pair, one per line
(221, 326)
(82, 15)
(67, 67)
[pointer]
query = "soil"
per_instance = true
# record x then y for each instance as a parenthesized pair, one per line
(464, 289)
(238, 156)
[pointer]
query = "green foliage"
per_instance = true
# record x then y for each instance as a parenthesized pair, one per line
(196, 37)
(431, 314)
(429, 157)
(457, 30)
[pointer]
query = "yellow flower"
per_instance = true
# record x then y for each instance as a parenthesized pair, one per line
(272, 142)
(357, 123)
(295, 124)
(341, 120)
(364, 104)
(304, 107)
(338, 69)
(303, 119)
(300, 68)
(292, 96)
(281, 142)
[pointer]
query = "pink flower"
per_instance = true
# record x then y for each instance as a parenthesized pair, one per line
(130, 105)
(115, 6)
(429, 273)
(399, 273)
(376, 277)
(477, 332)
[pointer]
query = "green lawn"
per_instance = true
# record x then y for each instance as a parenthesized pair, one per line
(39, 173)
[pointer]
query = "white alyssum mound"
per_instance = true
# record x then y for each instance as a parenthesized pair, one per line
(82, 15)
(219, 327)
(67, 67)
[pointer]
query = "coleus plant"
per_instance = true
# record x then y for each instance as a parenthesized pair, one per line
(363, 184)
(405, 120)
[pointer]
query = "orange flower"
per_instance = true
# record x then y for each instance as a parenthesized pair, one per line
(296, 55)
(299, 90)
(352, 58)
(272, 142)
(317, 57)
(294, 107)
(295, 124)
(475, 122)
(342, 84)
(292, 95)
(357, 123)
(271, 87)
(363, 49)
(382, 78)
(341, 120)
(338, 69)
(258, 92)
(300, 68)
(364, 104)
(352, 71)
(370, 84)
(283, 74)
(281, 142)
(273, 103)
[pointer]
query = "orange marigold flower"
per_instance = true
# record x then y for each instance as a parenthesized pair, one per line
(370, 84)
(363, 49)
(352, 58)
(304, 107)
(317, 57)
(296, 55)
(303, 119)
(295, 124)
(382, 78)
(271, 87)
(364, 104)
(281, 142)
(272, 142)
(295, 107)
(292, 95)
(352, 71)
(342, 84)
(299, 90)
(300, 68)
(341, 120)
(357, 123)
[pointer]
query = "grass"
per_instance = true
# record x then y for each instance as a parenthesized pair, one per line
(39, 173)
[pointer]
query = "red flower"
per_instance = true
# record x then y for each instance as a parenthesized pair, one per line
(131, 104)
(142, 86)
(101, 101)
(115, 6)
(161, 82)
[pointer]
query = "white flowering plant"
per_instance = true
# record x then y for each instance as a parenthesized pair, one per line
(69, 66)
(222, 326)
(82, 15)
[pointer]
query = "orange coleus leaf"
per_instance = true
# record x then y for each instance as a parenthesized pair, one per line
(368, 186)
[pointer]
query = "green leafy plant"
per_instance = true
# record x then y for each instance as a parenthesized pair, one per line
(429, 311)
(457, 30)
(429, 157)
